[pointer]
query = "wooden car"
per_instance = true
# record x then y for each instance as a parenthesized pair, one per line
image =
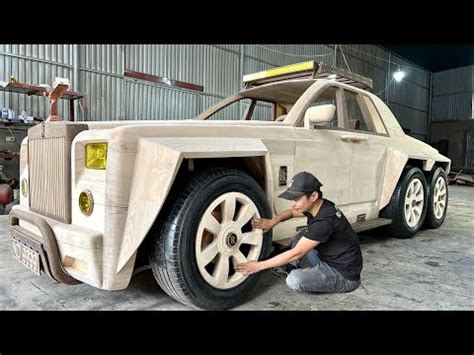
(94, 195)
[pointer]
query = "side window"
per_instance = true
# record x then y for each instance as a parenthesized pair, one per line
(362, 114)
(259, 111)
(234, 111)
(376, 119)
(356, 118)
(325, 98)
(263, 111)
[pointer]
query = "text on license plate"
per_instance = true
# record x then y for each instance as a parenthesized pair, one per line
(26, 256)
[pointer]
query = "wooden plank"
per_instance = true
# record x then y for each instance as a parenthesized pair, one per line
(38, 91)
(465, 177)
(17, 124)
(162, 81)
(9, 155)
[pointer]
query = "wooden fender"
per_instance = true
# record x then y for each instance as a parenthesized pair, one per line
(395, 161)
(157, 163)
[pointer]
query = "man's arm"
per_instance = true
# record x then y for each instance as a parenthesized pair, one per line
(301, 248)
(266, 224)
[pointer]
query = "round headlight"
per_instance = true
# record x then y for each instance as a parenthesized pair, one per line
(24, 187)
(86, 202)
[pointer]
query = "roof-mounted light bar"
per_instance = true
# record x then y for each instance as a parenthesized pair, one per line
(309, 70)
(297, 68)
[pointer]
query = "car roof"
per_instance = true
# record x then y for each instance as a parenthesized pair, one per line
(288, 91)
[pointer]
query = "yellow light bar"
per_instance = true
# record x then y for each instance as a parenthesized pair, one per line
(96, 156)
(287, 69)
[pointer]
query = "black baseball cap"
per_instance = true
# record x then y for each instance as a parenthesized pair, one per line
(301, 183)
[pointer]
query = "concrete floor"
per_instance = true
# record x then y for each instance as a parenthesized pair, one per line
(432, 271)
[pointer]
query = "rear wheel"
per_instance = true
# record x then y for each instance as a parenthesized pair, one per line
(438, 198)
(207, 231)
(408, 205)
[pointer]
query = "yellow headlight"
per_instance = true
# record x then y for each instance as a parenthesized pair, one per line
(24, 187)
(96, 156)
(86, 202)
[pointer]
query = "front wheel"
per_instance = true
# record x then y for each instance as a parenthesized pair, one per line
(208, 230)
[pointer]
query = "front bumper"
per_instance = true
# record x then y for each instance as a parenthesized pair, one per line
(68, 253)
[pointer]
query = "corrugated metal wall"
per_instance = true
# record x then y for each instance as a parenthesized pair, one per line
(283, 54)
(453, 92)
(150, 102)
(38, 64)
(97, 70)
(100, 70)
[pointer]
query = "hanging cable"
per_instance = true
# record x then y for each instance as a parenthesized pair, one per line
(334, 52)
(384, 60)
(299, 55)
(82, 109)
(388, 83)
(344, 57)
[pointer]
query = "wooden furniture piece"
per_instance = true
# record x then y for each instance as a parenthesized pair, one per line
(29, 90)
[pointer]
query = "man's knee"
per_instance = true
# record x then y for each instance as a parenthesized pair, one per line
(323, 277)
(310, 280)
(293, 281)
(351, 286)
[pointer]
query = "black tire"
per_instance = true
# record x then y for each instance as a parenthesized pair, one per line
(395, 210)
(431, 220)
(172, 251)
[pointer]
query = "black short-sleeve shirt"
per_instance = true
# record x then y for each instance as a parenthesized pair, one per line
(339, 245)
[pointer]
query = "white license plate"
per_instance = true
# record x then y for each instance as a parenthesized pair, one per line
(26, 256)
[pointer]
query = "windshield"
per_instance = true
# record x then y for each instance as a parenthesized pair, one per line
(270, 102)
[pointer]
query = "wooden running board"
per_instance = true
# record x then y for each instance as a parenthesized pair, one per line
(370, 224)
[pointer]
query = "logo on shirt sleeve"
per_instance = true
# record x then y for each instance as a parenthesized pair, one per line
(301, 228)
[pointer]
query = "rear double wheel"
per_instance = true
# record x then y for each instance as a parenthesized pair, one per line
(437, 198)
(408, 206)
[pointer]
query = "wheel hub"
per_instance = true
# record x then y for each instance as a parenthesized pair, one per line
(231, 240)
(414, 201)
(220, 236)
(440, 198)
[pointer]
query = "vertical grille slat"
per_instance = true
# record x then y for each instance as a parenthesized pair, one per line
(50, 176)
(49, 162)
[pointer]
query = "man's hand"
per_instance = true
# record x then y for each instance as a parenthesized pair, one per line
(262, 223)
(248, 268)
